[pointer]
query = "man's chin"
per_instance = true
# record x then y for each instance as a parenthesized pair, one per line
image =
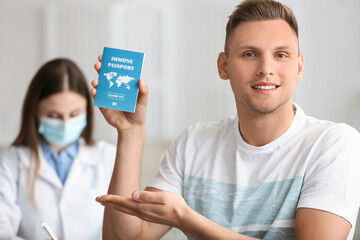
(264, 109)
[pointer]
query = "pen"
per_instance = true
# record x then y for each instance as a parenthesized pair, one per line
(48, 230)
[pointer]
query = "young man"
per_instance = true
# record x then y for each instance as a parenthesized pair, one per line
(270, 173)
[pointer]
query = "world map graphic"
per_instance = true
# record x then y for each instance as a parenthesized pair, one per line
(119, 80)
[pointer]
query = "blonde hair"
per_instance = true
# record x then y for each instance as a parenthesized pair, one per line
(258, 10)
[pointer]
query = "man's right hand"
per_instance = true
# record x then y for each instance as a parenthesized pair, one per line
(124, 121)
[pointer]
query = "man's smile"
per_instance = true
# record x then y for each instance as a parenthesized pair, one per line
(265, 86)
(269, 87)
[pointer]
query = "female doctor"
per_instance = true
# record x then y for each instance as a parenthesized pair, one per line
(54, 169)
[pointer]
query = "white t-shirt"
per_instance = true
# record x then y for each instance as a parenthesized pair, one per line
(256, 190)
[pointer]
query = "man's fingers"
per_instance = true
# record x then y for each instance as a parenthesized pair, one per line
(115, 201)
(143, 93)
(97, 66)
(122, 204)
(94, 83)
(93, 92)
(144, 209)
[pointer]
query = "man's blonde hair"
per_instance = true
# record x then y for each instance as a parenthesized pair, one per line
(258, 10)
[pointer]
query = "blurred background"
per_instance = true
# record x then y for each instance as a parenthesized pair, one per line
(181, 40)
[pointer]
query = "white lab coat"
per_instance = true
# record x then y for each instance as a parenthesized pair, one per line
(70, 210)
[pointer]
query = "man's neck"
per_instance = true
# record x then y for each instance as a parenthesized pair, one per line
(261, 129)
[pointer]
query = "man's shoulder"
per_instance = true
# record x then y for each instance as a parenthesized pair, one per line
(341, 133)
(328, 131)
(316, 126)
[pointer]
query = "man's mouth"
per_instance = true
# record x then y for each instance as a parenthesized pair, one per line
(266, 87)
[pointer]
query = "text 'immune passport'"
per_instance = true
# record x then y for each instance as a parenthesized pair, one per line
(118, 79)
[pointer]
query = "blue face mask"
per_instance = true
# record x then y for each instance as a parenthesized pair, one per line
(61, 133)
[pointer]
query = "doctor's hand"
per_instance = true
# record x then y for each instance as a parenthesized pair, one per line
(124, 121)
(160, 207)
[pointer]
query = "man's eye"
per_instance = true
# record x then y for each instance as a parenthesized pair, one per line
(249, 54)
(282, 55)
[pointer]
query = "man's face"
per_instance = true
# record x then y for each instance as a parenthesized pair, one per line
(263, 65)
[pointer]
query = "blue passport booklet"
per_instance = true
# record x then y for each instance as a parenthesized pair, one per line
(118, 79)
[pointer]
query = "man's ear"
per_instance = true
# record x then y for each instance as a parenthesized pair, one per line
(222, 66)
(300, 68)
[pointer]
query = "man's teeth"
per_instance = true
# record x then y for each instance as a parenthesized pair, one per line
(265, 87)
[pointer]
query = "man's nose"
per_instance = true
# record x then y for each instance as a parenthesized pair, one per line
(265, 66)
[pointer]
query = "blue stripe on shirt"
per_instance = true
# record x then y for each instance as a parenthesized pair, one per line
(234, 206)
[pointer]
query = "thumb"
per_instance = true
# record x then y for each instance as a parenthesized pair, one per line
(145, 197)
